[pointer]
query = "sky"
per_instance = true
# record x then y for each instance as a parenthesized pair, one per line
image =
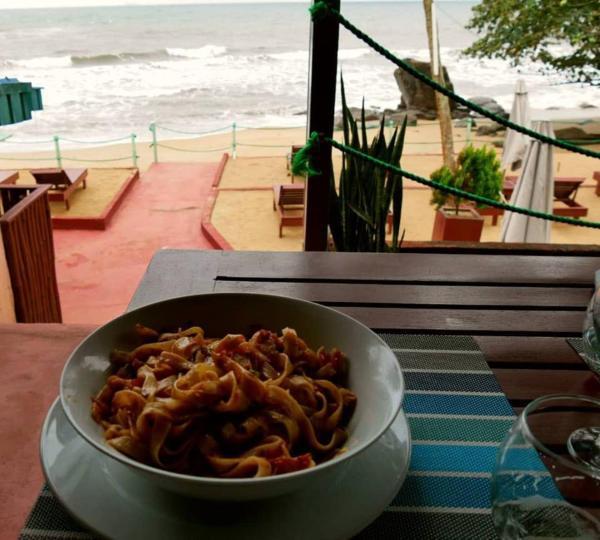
(22, 4)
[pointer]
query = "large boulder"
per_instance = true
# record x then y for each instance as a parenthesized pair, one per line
(371, 115)
(490, 104)
(416, 95)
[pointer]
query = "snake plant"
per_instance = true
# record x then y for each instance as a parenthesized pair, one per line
(359, 208)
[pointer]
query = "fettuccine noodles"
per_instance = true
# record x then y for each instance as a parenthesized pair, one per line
(226, 407)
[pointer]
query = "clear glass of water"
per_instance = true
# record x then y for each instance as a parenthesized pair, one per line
(591, 333)
(546, 483)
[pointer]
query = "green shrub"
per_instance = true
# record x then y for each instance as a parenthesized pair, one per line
(477, 171)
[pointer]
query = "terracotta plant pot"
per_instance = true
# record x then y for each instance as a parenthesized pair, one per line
(466, 226)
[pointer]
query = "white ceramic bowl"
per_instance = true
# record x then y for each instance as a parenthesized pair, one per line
(375, 378)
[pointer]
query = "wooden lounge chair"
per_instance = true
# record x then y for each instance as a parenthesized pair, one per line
(9, 177)
(565, 190)
(64, 182)
(290, 158)
(288, 201)
(597, 178)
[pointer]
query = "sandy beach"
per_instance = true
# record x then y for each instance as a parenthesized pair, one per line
(243, 211)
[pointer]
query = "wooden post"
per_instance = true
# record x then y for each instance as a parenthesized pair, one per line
(233, 141)
(57, 151)
(321, 109)
(154, 142)
(134, 156)
(437, 74)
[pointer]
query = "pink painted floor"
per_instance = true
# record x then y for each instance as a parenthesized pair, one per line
(98, 271)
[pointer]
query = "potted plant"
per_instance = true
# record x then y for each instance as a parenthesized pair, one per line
(367, 193)
(478, 172)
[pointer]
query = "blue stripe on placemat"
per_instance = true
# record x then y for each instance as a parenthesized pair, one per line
(456, 458)
(456, 404)
(459, 416)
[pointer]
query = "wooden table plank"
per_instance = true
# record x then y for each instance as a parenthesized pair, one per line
(523, 385)
(409, 267)
(176, 273)
(422, 294)
(470, 321)
(529, 352)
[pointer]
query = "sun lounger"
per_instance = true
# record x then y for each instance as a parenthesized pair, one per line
(64, 182)
(565, 190)
(288, 201)
(290, 159)
(9, 177)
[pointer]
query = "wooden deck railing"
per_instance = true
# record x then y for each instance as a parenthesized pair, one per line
(26, 230)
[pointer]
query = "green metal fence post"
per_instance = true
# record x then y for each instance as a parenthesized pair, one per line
(57, 151)
(233, 142)
(154, 142)
(134, 157)
(469, 126)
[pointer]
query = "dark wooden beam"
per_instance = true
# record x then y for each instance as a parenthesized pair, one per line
(321, 109)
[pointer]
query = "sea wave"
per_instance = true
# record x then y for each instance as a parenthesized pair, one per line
(208, 51)
(48, 62)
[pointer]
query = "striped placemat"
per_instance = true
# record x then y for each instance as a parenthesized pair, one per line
(576, 344)
(458, 416)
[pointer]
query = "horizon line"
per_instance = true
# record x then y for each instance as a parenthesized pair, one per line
(75, 4)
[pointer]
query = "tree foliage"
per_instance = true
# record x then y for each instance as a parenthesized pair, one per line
(564, 35)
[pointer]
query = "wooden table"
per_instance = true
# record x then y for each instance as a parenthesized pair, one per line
(519, 309)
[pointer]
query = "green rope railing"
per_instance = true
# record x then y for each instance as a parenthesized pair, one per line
(104, 141)
(264, 145)
(322, 9)
(46, 141)
(303, 164)
(267, 128)
(51, 158)
(97, 160)
(191, 149)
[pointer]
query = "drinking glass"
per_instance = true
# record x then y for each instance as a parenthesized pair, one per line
(546, 483)
(591, 332)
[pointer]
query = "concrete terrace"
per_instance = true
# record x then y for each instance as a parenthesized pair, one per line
(98, 271)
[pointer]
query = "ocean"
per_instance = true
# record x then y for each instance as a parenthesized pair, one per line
(111, 71)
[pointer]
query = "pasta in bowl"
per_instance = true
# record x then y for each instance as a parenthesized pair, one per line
(229, 407)
(218, 402)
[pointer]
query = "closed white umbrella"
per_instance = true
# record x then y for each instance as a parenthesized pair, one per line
(515, 142)
(534, 190)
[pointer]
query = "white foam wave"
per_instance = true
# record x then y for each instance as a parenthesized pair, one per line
(343, 54)
(351, 54)
(208, 51)
(42, 62)
(289, 56)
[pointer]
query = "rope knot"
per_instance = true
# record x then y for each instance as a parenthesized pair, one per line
(305, 157)
(319, 10)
